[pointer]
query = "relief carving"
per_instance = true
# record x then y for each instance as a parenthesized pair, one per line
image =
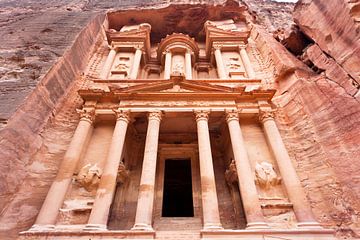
(234, 64)
(231, 173)
(123, 66)
(89, 177)
(265, 175)
(123, 173)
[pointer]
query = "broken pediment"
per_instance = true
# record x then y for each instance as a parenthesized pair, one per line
(226, 32)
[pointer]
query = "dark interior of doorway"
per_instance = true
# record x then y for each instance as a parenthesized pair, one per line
(177, 195)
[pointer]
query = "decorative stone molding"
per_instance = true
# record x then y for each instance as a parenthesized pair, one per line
(89, 176)
(265, 115)
(202, 115)
(265, 175)
(155, 115)
(232, 114)
(86, 114)
(123, 115)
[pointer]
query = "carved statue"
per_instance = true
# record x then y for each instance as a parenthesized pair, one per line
(178, 68)
(89, 176)
(231, 173)
(265, 175)
(123, 173)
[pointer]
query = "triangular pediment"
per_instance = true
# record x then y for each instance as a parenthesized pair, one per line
(175, 85)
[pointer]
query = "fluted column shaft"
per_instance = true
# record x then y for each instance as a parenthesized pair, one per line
(57, 192)
(105, 193)
(209, 198)
(108, 64)
(288, 173)
(136, 64)
(167, 67)
(249, 195)
(144, 210)
(220, 64)
(247, 64)
(188, 68)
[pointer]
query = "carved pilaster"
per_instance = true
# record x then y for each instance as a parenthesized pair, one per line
(86, 114)
(265, 115)
(201, 115)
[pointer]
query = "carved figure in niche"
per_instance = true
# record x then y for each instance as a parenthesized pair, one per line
(123, 173)
(231, 173)
(265, 175)
(89, 176)
(178, 67)
(234, 64)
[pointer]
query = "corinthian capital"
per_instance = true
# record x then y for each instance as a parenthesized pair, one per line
(265, 115)
(155, 115)
(121, 114)
(201, 115)
(86, 114)
(232, 114)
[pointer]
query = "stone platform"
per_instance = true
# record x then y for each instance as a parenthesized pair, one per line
(288, 234)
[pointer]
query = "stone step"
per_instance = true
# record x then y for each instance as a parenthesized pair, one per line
(178, 235)
(171, 224)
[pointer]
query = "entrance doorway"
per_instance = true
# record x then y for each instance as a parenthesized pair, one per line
(177, 193)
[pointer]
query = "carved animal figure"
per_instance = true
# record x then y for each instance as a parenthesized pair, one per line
(265, 175)
(89, 176)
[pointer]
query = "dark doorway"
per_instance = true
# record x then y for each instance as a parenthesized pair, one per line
(177, 196)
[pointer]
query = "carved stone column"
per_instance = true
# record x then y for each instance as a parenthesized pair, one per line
(56, 195)
(208, 188)
(167, 67)
(247, 64)
(108, 64)
(188, 68)
(136, 63)
(288, 173)
(144, 210)
(249, 195)
(219, 63)
(105, 193)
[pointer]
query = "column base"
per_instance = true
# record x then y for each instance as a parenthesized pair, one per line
(257, 225)
(142, 227)
(40, 227)
(312, 225)
(95, 227)
(212, 227)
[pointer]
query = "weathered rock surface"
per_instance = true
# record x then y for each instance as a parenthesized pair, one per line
(332, 27)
